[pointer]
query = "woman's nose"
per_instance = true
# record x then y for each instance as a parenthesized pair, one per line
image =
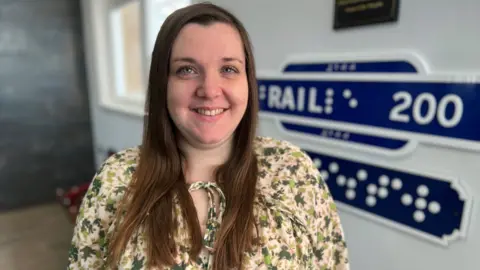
(210, 86)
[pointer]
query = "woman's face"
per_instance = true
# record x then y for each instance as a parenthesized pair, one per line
(207, 91)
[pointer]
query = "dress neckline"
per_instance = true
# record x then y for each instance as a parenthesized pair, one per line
(214, 217)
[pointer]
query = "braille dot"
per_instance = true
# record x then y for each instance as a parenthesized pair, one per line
(353, 103)
(329, 101)
(352, 183)
(419, 216)
(422, 191)
(329, 92)
(397, 184)
(328, 109)
(333, 167)
(371, 189)
(382, 193)
(420, 203)
(371, 201)
(434, 207)
(347, 93)
(341, 180)
(324, 175)
(407, 199)
(317, 162)
(350, 194)
(384, 180)
(362, 175)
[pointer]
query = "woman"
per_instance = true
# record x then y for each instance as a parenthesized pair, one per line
(202, 191)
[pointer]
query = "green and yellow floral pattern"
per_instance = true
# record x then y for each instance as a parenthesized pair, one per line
(297, 219)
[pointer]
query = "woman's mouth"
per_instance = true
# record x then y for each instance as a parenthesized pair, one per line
(209, 112)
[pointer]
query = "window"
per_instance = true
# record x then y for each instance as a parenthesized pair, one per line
(156, 13)
(120, 36)
(127, 49)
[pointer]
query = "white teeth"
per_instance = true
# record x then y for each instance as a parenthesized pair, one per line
(209, 112)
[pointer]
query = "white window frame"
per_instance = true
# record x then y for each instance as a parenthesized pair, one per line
(100, 55)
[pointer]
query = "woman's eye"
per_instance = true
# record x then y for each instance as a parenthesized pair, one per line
(230, 70)
(185, 70)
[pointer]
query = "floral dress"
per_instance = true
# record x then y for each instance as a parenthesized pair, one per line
(297, 218)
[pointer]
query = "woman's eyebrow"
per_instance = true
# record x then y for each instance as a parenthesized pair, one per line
(193, 61)
(231, 59)
(184, 59)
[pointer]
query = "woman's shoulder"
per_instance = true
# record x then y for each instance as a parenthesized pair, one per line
(115, 173)
(282, 163)
(280, 150)
(126, 158)
(122, 161)
(264, 145)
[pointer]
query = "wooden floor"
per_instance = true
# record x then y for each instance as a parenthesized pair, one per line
(35, 238)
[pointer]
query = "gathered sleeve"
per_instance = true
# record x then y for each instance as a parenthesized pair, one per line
(97, 210)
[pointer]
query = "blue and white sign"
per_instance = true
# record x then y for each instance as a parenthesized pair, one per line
(428, 206)
(399, 62)
(383, 108)
(434, 110)
(391, 66)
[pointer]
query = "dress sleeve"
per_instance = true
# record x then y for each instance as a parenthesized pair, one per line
(323, 220)
(89, 244)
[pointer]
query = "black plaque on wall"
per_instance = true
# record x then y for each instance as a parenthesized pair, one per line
(352, 13)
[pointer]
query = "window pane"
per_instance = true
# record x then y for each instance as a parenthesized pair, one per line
(127, 48)
(157, 11)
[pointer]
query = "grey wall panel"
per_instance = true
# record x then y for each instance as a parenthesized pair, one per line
(45, 128)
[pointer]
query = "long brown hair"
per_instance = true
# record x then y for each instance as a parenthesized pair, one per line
(148, 203)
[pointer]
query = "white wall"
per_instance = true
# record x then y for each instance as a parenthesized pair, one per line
(444, 32)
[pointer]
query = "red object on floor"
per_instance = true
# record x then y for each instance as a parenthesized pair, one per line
(71, 199)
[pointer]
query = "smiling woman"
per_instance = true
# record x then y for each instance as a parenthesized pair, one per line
(207, 86)
(203, 192)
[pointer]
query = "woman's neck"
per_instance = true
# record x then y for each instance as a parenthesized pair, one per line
(201, 162)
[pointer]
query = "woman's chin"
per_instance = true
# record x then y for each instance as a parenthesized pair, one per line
(213, 140)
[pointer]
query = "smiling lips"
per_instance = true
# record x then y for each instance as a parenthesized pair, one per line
(209, 112)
